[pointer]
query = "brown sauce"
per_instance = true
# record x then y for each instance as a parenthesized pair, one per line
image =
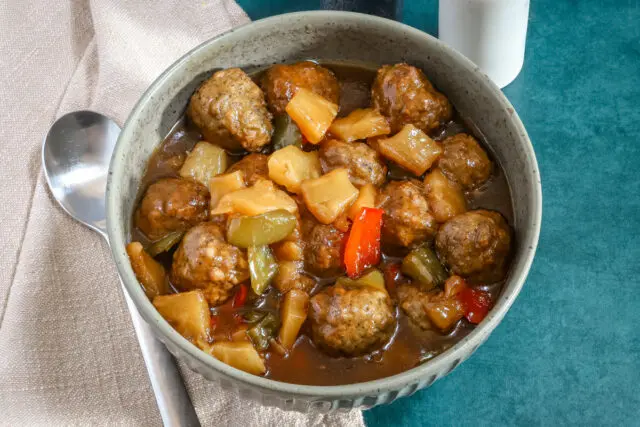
(305, 364)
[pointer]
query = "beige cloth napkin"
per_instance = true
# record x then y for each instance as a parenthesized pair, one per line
(68, 354)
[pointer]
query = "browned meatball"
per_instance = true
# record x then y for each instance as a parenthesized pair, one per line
(254, 167)
(407, 220)
(475, 245)
(206, 261)
(323, 247)
(464, 161)
(172, 204)
(404, 94)
(363, 162)
(282, 81)
(230, 110)
(351, 320)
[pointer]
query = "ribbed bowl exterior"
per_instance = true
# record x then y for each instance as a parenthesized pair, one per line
(318, 404)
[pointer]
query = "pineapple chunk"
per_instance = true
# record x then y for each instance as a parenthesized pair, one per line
(366, 199)
(188, 313)
(410, 148)
(445, 197)
(290, 166)
(262, 197)
(239, 354)
(288, 251)
(291, 275)
(293, 313)
(312, 113)
(204, 162)
(360, 124)
(149, 272)
(225, 184)
(373, 279)
(444, 313)
(330, 195)
(291, 248)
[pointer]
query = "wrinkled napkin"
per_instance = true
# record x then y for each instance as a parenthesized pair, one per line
(68, 354)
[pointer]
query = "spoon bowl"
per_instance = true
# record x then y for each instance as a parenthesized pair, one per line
(75, 158)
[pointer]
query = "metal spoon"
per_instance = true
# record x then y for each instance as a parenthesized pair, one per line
(75, 156)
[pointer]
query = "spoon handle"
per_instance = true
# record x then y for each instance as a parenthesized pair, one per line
(173, 400)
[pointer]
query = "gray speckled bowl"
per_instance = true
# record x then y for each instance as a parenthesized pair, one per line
(330, 36)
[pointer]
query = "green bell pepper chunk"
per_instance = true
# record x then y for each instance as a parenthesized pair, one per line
(374, 279)
(285, 133)
(165, 243)
(262, 267)
(260, 230)
(253, 316)
(263, 331)
(423, 266)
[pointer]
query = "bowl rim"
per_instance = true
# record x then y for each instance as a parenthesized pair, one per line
(432, 368)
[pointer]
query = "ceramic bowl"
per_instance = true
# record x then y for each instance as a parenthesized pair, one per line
(334, 36)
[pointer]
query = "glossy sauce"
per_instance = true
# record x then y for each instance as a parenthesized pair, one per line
(305, 364)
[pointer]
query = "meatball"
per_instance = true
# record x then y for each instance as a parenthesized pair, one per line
(230, 110)
(204, 260)
(172, 204)
(363, 162)
(351, 320)
(282, 81)
(475, 245)
(407, 220)
(404, 94)
(254, 167)
(464, 161)
(323, 247)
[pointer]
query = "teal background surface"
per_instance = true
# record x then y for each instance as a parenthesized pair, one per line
(568, 352)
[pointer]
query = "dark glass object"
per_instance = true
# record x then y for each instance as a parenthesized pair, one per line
(391, 9)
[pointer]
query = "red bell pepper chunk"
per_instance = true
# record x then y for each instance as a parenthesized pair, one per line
(214, 321)
(477, 304)
(363, 244)
(240, 297)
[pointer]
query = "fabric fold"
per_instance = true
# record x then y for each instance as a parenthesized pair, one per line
(68, 353)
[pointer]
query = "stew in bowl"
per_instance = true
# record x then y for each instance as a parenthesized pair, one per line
(321, 223)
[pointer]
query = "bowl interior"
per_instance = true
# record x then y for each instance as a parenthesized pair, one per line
(333, 36)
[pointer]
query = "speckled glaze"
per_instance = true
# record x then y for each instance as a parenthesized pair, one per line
(337, 36)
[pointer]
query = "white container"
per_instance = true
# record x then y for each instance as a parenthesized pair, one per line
(492, 33)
